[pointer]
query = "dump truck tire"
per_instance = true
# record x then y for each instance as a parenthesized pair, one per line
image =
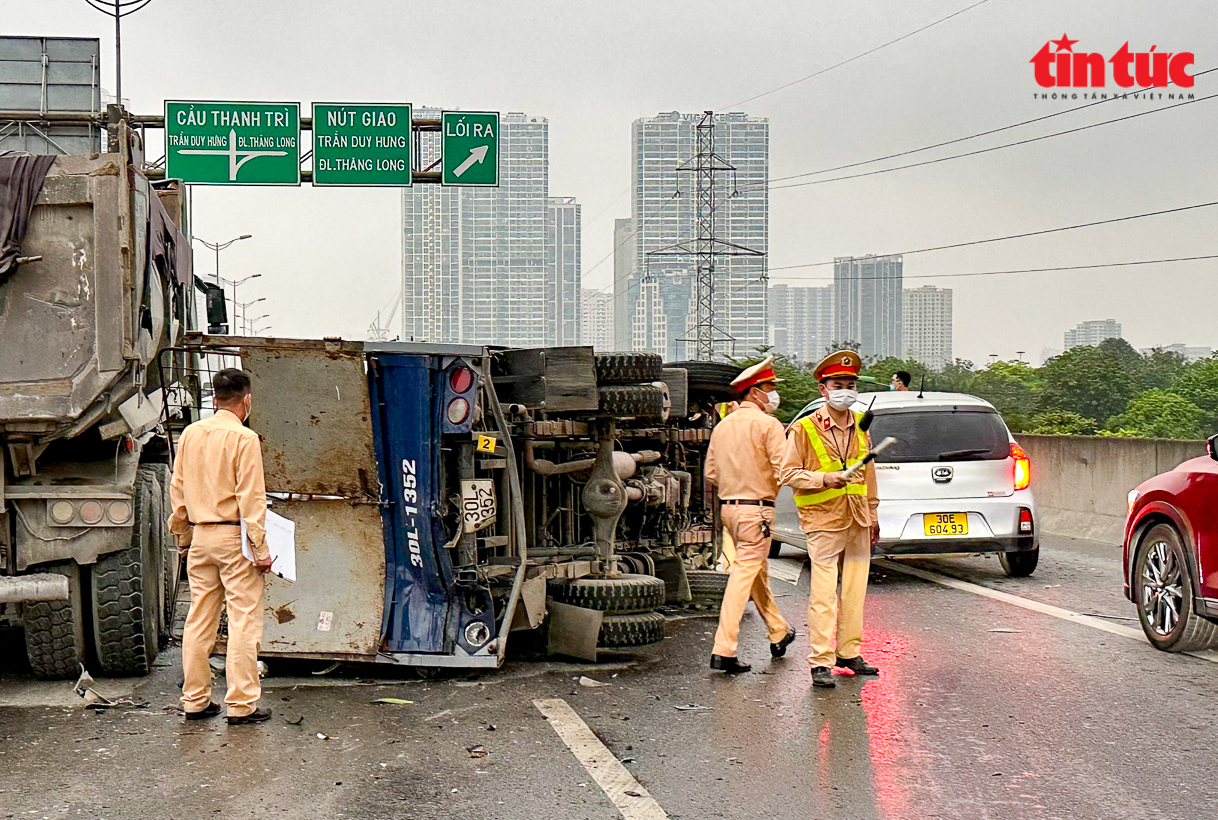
(640, 401)
(127, 590)
(167, 546)
(628, 368)
(625, 631)
(711, 377)
(707, 584)
(620, 595)
(55, 630)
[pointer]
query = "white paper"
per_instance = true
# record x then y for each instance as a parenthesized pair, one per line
(280, 540)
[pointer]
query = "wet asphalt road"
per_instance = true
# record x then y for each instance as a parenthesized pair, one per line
(1046, 719)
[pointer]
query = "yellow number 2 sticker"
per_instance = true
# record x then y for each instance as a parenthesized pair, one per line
(486, 444)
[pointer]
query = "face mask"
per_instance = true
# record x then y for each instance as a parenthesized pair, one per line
(842, 399)
(892, 387)
(772, 400)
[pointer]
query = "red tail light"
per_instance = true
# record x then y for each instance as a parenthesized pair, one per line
(1025, 520)
(1023, 467)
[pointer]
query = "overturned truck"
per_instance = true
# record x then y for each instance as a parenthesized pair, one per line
(445, 496)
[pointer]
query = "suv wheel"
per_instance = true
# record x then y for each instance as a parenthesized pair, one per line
(1163, 589)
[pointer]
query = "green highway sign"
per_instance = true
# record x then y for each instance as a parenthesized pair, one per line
(233, 143)
(359, 144)
(470, 148)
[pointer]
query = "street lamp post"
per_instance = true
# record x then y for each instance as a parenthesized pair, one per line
(243, 305)
(249, 323)
(219, 246)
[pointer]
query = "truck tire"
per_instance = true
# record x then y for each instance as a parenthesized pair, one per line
(709, 377)
(707, 584)
(625, 631)
(619, 595)
(639, 400)
(55, 630)
(628, 368)
(169, 553)
(127, 590)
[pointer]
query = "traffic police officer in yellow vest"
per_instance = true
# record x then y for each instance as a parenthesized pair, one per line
(743, 460)
(837, 513)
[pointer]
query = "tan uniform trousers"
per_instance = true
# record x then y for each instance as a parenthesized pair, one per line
(219, 573)
(845, 554)
(748, 578)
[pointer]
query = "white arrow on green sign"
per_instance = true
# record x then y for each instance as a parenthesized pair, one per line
(470, 148)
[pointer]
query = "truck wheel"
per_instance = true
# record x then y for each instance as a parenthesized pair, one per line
(55, 630)
(127, 589)
(707, 584)
(1019, 564)
(618, 595)
(628, 368)
(637, 629)
(167, 547)
(711, 377)
(639, 400)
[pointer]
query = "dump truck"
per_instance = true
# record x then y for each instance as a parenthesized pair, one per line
(446, 497)
(95, 281)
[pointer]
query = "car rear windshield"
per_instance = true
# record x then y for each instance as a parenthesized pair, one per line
(941, 435)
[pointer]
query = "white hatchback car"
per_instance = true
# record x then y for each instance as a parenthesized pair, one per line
(954, 482)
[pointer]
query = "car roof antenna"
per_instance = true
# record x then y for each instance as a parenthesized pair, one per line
(922, 386)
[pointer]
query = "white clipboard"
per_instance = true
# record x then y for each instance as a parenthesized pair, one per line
(280, 540)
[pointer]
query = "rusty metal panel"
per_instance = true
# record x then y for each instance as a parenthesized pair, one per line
(312, 410)
(336, 604)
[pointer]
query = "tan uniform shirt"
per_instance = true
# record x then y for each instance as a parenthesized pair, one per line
(218, 477)
(801, 470)
(745, 454)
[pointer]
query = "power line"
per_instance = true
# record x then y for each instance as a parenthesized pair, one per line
(987, 150)
(970, 136)
(855, 57)
(1017, 235)
(1015, 271)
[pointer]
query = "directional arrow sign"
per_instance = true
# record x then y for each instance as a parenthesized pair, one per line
(470, 148)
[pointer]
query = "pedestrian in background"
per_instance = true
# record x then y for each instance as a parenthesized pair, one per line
(901, 380)
(837, 513)
(743, 460)
(218, 483)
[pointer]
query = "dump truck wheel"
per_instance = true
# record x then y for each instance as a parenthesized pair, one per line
(707, 584)
(55, 630)
(618, 595)
(711, 377)
(640, 400)
(628, 368)
(127, 590)
(167, 547)
(637, 629)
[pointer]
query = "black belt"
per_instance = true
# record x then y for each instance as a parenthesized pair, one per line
(752, 502)
(217, 524)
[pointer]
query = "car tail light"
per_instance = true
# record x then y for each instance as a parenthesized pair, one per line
(1023, 467)
(1025, 520)
(458, 410)
(461, 379)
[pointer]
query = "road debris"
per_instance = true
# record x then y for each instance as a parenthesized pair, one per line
(692, 707)
(94, 699)
(1003, 629)
(395, 701)
(584, 680)
(477, 750)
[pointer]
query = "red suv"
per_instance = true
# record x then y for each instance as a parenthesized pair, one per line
(1171, 554)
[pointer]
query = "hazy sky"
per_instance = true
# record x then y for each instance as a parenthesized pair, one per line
(330, 258)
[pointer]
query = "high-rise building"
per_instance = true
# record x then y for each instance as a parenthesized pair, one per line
(927, 318)
(1189, 353)
(596, 325)
(623, 268)
(659, 292)
(493, 265)
(868, 300)
(562, 300)
(1092, 333)
(801, 321)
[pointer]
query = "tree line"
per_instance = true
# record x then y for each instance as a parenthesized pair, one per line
(1108, 390)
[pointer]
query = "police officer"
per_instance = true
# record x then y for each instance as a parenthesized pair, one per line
(743, 460)
(217, 485)
(837, 513)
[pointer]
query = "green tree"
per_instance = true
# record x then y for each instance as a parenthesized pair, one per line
(1158, 414)
(1095, 382)
(1198, 382)
(957, 377)
(882, 369)
(1012, 387)
(1161, 369)
(1062, 423)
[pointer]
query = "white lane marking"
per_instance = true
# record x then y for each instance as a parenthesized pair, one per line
(1034, 606)
(606, 770)
(786, 569)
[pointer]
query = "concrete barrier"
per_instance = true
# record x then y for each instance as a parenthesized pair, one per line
(1082, 483)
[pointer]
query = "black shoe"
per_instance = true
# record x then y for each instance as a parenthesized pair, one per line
(857, 665)
(779, 649)
(823, 676)
(256, 716)
(729, 664)
(209, 711)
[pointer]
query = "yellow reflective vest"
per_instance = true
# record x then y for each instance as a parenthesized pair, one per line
(806, 498)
